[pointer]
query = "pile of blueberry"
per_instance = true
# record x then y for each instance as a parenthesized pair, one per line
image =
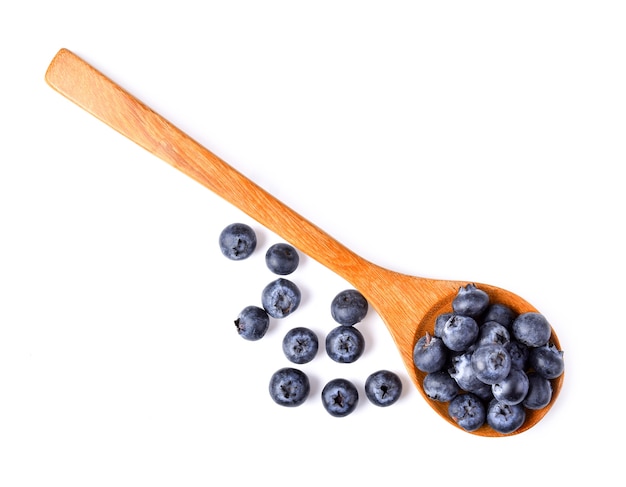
(488, 362)
(290, 386)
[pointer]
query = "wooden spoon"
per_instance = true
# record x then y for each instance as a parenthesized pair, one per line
(408, 305)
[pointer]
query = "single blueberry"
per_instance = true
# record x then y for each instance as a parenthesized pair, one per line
(539, 392)
(237, 241)
(282, 259)
(300, 345)
(348, 307)
(439, 386)
(340, 397)
(252, 323)
(491, 363)
(468, 411)
(463, 373)
(512, 389)
(383, 388)
(519, 354)
(440, 322)
(345, 344)
(289, 387)
(430, 354)
(493, 332)
(280, 298)
(505, 418)
(459, 332)
(531, 329)
(470, 301)
(500, 313)
(547, 361)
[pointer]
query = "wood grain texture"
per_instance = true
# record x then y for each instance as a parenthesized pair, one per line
(408, 305)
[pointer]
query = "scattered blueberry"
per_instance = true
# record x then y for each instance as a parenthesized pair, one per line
(468, 411)
(383, 388)
(440, 386)
(470, 301)
(289, 387)
(345, 344)
(505, 418)
(282, 259)
(491, 363)
(237, 241)
(430, 354)
(280, 298)
(532, 329)
(300, 345)
(340, 397)
(348, 307)
(252, 323)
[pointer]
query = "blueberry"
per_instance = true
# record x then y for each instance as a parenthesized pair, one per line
(440, 322)
(493, 332)
(519, 354)
(430, 354)
(280, 298)
(340, 397)
(345, 344)
(463, 373)
(439, 386)
(468, 411)
(459, 332)
(282, 259)
(500, 313)
(348, 307)
(470, 301)
(237, 241)
(539, 392)
(531, 329)
(252, 323)
(547, 361)
(300, 345)
(289, 387)
(383, 388)
(512, 389)
(505, 418)
(491, 363)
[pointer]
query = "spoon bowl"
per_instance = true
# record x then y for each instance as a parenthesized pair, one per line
(408, 305)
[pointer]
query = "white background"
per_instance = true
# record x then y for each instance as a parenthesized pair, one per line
(474, 140)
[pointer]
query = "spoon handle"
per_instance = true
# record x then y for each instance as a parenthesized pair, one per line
(81, 83)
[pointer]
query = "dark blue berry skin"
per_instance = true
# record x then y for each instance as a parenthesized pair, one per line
(383, 388)
(345, 344)
(505, 418)
(430, 354)
(340, 397)
(459, 332)
(289, 387)
(463, 373)
(282, 259)
(513, 389)
(440, 322)
(500, 313)
(348, 307)
(252, 323)
(547, 361)
(439, 386)
(237, 241)
(531, 329)
(493, 332)
(539, 392)
(300, 345)
(470, 301)
(280, 298)
(491, 363)
(468, 411)
(519, 354)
